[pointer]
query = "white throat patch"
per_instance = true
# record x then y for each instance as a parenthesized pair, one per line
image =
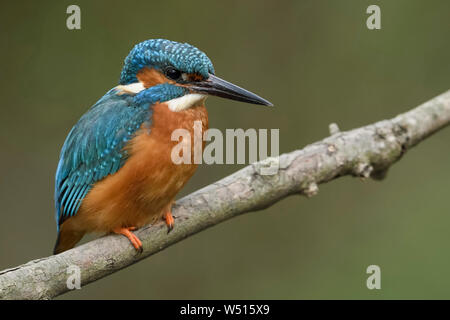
(186, 101)
(131, 88)
(177, 104)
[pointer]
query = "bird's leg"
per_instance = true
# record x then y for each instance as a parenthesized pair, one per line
(135, 241)
(169, 218)
(169, 221)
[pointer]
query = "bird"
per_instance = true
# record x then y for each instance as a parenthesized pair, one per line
(115, 173)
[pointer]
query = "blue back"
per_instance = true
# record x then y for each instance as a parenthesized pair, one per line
(94, 147)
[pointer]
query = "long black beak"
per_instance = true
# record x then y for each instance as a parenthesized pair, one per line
(218, 87)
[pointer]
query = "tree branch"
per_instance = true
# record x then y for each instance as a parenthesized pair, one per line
(365, 152)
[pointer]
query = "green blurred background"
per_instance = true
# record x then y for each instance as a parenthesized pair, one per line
(318, 63)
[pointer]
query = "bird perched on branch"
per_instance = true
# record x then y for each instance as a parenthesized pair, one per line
(115, 172)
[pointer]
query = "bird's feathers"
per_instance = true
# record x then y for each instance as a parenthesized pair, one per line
(159, 53)
(94, 149)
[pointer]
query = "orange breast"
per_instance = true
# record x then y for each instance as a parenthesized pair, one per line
(141, 190)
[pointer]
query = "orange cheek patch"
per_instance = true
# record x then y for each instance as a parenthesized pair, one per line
(194, 77)
(151, 77)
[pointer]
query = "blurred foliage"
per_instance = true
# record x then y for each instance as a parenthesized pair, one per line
(318, 63)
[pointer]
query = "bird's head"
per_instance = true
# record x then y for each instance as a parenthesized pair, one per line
(183, 69)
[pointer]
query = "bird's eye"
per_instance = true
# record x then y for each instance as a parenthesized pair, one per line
(173, 73)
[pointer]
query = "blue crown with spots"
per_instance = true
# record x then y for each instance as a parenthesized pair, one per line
(160, 53)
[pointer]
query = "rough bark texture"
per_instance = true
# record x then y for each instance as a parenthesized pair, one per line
(365, 152)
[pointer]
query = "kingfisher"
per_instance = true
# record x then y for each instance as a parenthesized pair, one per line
(115, 173)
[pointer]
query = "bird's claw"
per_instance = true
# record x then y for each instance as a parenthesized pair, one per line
(169, 221)
(135, 241)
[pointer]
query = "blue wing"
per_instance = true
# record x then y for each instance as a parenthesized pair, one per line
(94, 149)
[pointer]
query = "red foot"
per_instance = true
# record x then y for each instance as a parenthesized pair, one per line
(169, 221)
(137, 244)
